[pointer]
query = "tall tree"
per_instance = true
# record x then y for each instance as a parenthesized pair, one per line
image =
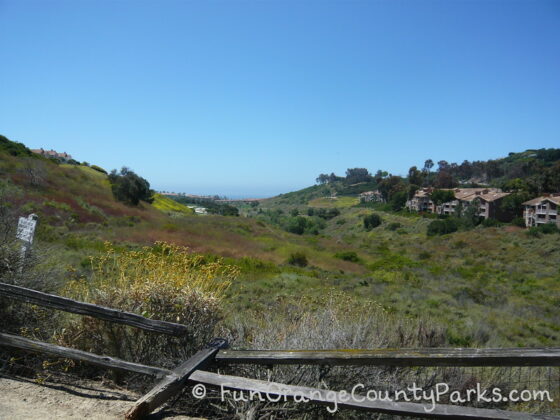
(428, 165)
(415, 176)
(355, 175)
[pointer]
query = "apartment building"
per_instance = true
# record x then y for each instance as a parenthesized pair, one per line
(487, 201)
(542, 210)
(52, 154)
(371, 196)
(421, 201)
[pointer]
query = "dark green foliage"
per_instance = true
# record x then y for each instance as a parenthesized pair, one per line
(442, 227)
(300, 225)
(415, 177)
(129, 187)
(442, 196)
(490, 223)
(326, 178)
(297, 225)
(294, 212)
(356, 175)
(326, 214)
(298, 259)
(213, 207)
(224, 210)
(14, 148)
(390, 186)
(398, 200)
(469, 217)
(98, 169)
(424, 255)
(546, 228)
(518, 221)
(348, 256)
(394, 226)
(371, 221)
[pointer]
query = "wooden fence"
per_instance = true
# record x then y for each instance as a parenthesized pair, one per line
(171, 382)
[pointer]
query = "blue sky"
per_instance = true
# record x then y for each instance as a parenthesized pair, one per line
(254, 98)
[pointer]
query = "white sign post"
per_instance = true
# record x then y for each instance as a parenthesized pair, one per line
(25, 232)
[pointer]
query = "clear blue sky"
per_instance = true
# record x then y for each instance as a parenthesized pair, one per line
(254, 98)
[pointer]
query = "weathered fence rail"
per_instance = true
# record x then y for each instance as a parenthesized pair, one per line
(396, 357)
(330, 398)
(14, 341)
(217, 354)
(108, 314)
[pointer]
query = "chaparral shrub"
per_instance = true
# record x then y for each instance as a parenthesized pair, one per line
(164, 282)
(372, 221)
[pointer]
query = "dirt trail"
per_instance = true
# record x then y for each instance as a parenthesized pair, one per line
(21, 399)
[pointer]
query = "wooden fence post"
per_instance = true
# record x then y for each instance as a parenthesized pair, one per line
(173, 383)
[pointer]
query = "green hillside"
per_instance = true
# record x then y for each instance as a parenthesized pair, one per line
(486, 286)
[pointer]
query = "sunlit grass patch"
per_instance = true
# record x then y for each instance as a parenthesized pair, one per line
(168, 205)
(339, 202)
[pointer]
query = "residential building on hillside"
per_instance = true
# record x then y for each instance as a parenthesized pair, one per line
(52, 154)
(421, 201)
(486, 199)
(542, 210)
(461, 197)
(488, 203)
(371, 196)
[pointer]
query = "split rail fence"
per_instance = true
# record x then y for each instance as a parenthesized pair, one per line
(193, 370)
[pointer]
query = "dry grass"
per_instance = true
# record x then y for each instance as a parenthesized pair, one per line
(164, 282)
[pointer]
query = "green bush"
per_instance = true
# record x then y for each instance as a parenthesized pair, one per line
(298, 259)
(518, 221)
(297, 225)
(129, 187)
(326, 214)
(371, 221)
(424, 255)
(347, 256)
(490, 223)
(97, 168)
(394, 226)
(546, 228)
(442, 227)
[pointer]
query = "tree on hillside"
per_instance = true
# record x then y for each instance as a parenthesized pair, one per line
(428, 165)
(412, 190)
(391, 185)
(355, 175)
(444, 180)
(511, 204)
(398, 200)
(439, 197)
(443, 165)
(515, 185)
(415, 176)
(129, 187)
(14, 148)
(322, 179)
